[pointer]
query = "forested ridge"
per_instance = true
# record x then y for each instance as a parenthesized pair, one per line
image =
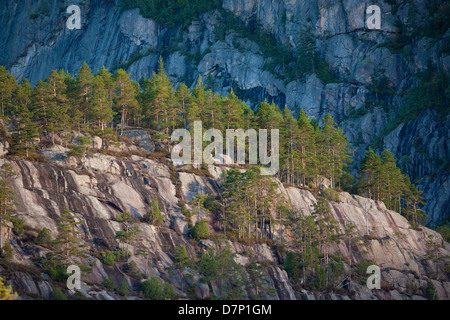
(248, 207)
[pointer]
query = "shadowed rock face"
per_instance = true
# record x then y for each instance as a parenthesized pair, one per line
(110, 185)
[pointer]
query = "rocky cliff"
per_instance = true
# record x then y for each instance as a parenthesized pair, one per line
(103, 186)
(35, 40)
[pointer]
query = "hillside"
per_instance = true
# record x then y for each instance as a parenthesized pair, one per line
(88, 115)
(108, 185)
(371, 82)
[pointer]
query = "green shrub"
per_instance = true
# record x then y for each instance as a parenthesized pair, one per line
(57, 294)
(430, 292)
(18, 227)
(7, 251)
(154, 215)
(153, 289)
(84, 140)
(319, 282)
(185, 211)
(58, 273)
(169, 292)
(44, 237)
(76, 151)
(331, 194)
(121, 254)
(123, 288)
(200, 230)
(109, 258)
(132, 269)
(444, 230)
(108, 283)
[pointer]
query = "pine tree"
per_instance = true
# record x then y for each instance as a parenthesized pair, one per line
(26, 132)
(101, 111)
(154, 215)
(125, 96)
(412, 200)
(290, 134)
(183, 97)
(269, 116)
(305, 161)
(181, 261)
(256, 279)
(67, 242)
(234, 110)
(23, 94)
(336, 148)
(370, 183)
(8, 85)
(7, 174)
(42, 103)
(392, 181)
(83, 91)
(130, 232)
(58, 118)
(307, 54)
(198, 204)
(159, 99)
(327, 226)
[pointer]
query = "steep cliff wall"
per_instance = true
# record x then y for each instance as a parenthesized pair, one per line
(108, 186)
(36, 41)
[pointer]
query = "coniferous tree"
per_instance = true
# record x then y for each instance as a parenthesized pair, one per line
(306, 149)
(8, 85)
(289, 151)
(159, 99)
(67, 241)
(83, 92)
(7, 174)
(181, 261)
(234, 110)
(26, 132)
(183, 97)
(124, 96)
(101, 111)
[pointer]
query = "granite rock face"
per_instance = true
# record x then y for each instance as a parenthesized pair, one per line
(108, 186)
(109, 37)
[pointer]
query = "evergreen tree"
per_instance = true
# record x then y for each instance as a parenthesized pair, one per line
(305, 160)
(181, 261)
(289, 151)
(23, 94)
(369, 183)
(198, 204)
(327, 226)
(101, 111)
(159, 99)
(125, 96)
(83, 91)
(256, 278)
(7, 174)
(67, 242)
(234, 109)
(154, 215)
(336, 148)
(8, 85)
(26, 132)
(413, 199)
(183, 97)
(269, 116)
